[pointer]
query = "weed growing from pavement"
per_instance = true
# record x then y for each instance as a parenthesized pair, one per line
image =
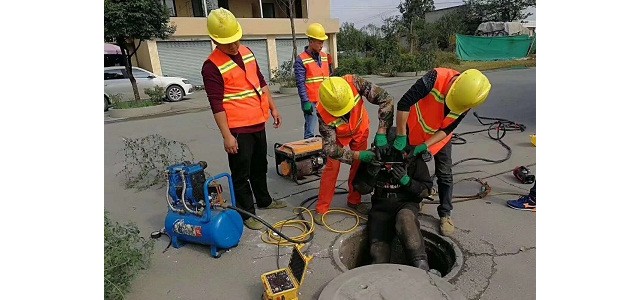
(125, 254)
(146, 158)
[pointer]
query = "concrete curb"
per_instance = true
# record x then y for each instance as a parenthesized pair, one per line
(139, 111)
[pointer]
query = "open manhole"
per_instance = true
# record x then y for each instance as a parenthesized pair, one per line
(352, 251)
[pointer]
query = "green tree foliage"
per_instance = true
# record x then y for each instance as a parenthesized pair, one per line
(498, 10)
(413, 12)
(127, 21)
(350, 39)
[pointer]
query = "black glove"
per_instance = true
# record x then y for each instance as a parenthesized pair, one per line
(399, 172)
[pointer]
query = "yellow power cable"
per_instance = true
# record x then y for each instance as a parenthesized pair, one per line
(347, 212)
(305, 227)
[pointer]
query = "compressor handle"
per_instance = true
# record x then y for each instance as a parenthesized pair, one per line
(206, 193)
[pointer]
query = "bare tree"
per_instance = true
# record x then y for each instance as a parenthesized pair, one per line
(288, 7)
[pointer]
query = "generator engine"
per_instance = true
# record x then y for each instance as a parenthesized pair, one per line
(301, 161)
(194, 215)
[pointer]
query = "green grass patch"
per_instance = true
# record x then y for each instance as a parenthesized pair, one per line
(125, 254)
(134, 104)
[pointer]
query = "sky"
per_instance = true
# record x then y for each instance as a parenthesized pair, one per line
(363, 12)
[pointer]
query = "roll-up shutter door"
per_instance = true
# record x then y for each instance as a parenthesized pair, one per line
(184, 58)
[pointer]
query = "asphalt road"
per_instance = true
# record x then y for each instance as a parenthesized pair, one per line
(497, 243)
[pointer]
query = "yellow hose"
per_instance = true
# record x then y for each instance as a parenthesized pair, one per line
(305, 227)
(271, 237)
(344, 211)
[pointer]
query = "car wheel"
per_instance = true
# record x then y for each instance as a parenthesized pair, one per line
(106, 103)
(175, 93)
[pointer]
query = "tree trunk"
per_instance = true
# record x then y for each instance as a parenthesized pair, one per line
(293, 33)
(121, 42)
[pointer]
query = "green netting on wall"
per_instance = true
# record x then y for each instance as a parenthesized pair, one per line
(486, 48)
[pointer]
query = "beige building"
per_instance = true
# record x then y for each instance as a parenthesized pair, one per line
(266, 31)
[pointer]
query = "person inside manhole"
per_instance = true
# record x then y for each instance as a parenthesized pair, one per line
(397, 184)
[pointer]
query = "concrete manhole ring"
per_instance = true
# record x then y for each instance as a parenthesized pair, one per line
(351, 251)
(389, 281)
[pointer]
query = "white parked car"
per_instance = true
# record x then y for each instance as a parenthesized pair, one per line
(116, 81)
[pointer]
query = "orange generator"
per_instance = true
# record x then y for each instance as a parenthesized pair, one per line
(302, 161)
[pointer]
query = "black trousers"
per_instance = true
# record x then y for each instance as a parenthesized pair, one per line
(388, 218)
(443, 164)
(532, 192)
(249, 171)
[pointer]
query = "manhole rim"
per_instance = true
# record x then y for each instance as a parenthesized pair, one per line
(455, 269)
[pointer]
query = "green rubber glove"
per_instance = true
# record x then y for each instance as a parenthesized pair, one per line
(400, 174)
(400, 143)
(419, 149)
(381, 140)
(424, 150)
(366, 156)
(307, 108)
(405, 180)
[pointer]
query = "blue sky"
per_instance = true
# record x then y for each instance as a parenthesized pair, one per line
(363, 12)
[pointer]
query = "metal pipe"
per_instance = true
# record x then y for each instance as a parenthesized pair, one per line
(184, 189)
(167, 194)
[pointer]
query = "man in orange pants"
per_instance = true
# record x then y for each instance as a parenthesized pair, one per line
(343, 121)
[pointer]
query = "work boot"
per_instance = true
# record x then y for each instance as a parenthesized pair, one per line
(421, 264)
(276, 204)
(361, 208)
(446, 226)
(253, 224)
(317, 218)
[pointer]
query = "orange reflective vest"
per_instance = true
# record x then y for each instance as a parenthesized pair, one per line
(427, 115)
(315, 74)
(358, 120)
(242, 100)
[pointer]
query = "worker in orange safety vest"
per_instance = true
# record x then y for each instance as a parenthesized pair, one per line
(312, 67)
(241, 101)
(344, 121)
(430, 110)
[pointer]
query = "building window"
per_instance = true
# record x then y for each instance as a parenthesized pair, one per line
(268, 10)
(170, 5)
(198, 9)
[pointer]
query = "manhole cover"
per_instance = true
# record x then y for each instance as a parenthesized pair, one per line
(389, 281)
(352, 251)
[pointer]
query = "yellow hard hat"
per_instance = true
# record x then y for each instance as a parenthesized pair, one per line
(316, 31)
(223, 26)
(336, 96)
(469, 90)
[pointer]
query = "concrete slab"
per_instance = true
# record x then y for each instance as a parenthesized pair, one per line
(498, 243)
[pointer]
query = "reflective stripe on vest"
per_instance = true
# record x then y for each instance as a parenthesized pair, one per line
(314, 74)
(358, 120)
(242, 99)
(426, 117)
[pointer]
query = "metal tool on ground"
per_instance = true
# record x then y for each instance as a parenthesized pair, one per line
(301, 161)
(523, 174)
(194, 214)
(284, 284)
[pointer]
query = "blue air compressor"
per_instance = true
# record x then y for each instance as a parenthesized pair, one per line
(195, 213)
